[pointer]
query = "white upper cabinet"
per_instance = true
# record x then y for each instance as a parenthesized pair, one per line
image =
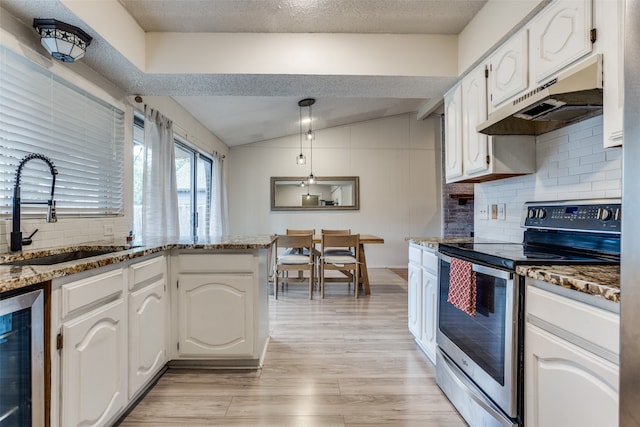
(509, 69)
(610, 16)
(471, 156)
(560, 35)
(474, 144)
(453, 133)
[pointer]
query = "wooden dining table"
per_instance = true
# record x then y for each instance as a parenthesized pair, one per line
(365, 239)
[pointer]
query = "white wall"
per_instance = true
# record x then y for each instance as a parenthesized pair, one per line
(398, 162)
(571, 164)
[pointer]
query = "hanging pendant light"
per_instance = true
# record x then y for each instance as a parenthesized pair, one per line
(301, 159)
(309, 135)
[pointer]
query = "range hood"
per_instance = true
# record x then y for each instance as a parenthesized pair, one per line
(570, 97)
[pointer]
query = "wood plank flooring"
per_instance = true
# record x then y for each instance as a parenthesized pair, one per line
(332, 362)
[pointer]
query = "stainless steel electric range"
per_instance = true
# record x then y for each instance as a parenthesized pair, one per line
(479, 362)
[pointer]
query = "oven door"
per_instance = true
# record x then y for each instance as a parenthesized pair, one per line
(484, 347)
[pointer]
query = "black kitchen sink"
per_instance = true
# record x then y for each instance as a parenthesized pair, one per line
(64, 257)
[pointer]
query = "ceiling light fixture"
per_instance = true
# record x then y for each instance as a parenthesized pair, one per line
(309, 135)
(301, 159)
(63, 41)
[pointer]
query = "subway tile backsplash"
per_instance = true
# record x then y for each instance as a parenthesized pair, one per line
(572, 163)
(67, 231)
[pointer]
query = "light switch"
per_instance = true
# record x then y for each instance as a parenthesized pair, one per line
(494, 211)
(502, 211)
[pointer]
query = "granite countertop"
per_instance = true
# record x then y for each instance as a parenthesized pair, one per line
(433, 242)
(599, 280)
(17, 276)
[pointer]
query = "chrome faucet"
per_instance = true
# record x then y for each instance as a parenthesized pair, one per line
(16, 235)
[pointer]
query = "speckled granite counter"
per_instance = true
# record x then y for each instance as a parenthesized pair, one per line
(17, 276)
(433, 242)
(599, 280)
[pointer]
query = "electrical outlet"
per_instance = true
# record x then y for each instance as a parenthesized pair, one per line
(502, 211)
(483, 213)
(108, 229)
(494, 211)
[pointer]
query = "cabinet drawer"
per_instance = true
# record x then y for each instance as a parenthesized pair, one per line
(84, 292)
(589, 323)
(430, 262)
(147, 270)
(415, 255)
(203, 263)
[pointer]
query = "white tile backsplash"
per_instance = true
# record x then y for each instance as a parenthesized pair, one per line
(572, 163)
(67, 231)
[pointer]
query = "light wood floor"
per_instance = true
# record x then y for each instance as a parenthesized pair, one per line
(332, 362)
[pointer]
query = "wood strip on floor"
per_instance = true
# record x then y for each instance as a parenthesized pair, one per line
(334, 362)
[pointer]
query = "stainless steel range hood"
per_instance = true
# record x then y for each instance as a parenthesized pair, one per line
(572, 96)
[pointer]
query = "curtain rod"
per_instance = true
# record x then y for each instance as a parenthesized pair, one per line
(139, 100)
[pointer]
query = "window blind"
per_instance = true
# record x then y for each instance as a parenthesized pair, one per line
(81, 134)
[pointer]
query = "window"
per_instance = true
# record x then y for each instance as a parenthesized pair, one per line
(81, 134)
(193, 176)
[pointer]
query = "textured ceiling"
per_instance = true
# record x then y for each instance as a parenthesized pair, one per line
(304, 16)
(245, 108)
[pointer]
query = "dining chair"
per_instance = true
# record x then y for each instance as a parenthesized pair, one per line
(294, 253)
(348, 264)
(336, 250)
(316, 252)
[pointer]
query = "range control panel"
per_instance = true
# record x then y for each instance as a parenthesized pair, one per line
(596, 216)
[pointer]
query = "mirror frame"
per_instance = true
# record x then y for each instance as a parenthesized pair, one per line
(356, 195)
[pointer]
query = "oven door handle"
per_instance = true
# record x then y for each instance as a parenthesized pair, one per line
(490, 271)
(483, 269)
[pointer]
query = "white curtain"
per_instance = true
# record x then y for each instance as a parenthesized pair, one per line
(160, 194)
(219, 222)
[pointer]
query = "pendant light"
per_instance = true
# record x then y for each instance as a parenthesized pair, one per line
(301, 159)
(309, 135)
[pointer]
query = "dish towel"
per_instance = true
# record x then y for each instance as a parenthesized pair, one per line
(462, 286)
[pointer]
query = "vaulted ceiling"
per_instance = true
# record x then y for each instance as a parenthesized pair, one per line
(240, 66)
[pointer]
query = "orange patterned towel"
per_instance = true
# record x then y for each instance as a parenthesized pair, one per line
(462, 286)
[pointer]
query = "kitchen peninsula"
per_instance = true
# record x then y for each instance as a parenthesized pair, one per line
(118, 319)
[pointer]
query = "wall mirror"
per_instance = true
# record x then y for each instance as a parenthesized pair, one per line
(289, 193)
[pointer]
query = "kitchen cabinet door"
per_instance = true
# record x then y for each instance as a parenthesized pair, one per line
(147, 332)
(509, 69)
(215, 315)
(94, 366)
(453, 134)
(429, 314)
(611, 36)
(560, 35)
(415, 299)
(566, 385)
(474, 111)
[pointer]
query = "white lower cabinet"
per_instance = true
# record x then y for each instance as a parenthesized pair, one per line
(220, 309)
(148, 318)
(415, 301)
(571, 362)
(429, 314)
(215, 314)
(94, 355)
(423, 297)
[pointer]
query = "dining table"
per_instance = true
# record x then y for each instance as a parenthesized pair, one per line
(365, 239)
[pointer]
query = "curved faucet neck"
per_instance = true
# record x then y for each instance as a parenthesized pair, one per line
(16, 235)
